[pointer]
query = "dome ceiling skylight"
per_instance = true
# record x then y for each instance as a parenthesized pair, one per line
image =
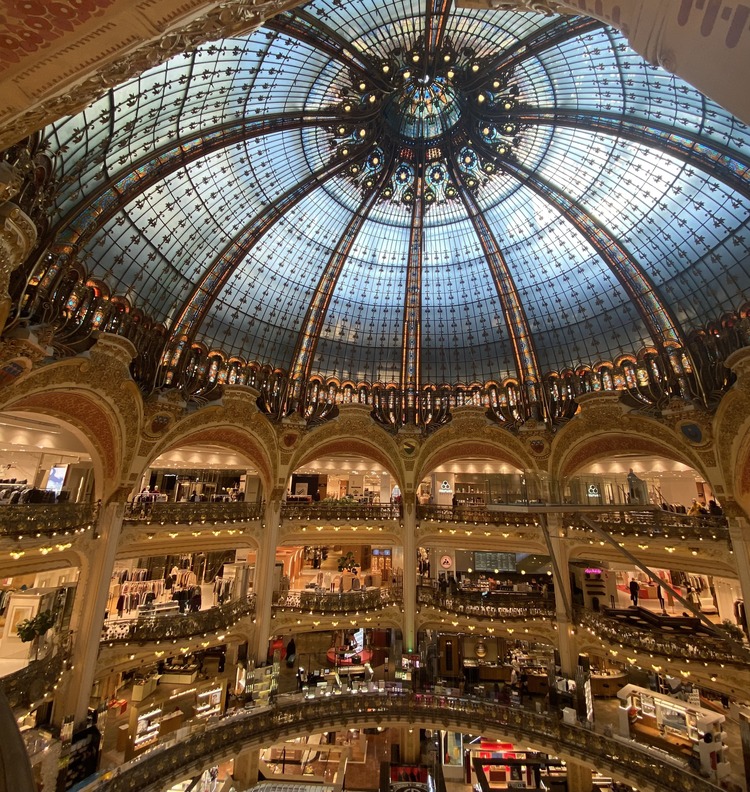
(410, 195)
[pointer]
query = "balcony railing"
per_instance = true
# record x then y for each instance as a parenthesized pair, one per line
(340, 510)
(29, 684)
(477, 514)
(350, 602)
(651, 522)
(292, 715)
(508, 605)
(46, 519)
(166, 513)
(692, 647)
(180, 625)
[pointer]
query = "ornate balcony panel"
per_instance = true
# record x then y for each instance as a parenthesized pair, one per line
(37, 520)
(165, 513)
(292, 715)
(182, 625)
(29, 685)
(478, 515)
(328, 603)
(652, 522)
(324, 511)
(691, 646)
(505, 605)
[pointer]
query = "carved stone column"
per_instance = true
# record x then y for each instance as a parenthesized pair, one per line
(246, 765)
(265, 561)
(566, 628)
(88, 617)
(739, 534)
(17, 235)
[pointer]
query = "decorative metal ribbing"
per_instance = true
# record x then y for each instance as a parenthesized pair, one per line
(662, 326)
(703, 153)
(412, 332)
(79, 225)
(213, 280)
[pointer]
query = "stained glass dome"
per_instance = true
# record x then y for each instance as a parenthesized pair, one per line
(408, 193)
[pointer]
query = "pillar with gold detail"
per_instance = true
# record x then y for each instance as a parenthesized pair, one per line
(263, 584)
(73, 695)
(410, 569)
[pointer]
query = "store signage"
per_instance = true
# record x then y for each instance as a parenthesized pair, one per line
(445, 487)
(593, 491)
(446, 562)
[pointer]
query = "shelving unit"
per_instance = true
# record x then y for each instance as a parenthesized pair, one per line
(211, 700)
(469, 495)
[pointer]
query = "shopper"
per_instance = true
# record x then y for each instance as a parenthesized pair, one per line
(634, 592)
(660, 597)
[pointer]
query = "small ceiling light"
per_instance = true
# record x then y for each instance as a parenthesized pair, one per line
(407, 74)
(362, 86)
(451, 74)
(475, 67)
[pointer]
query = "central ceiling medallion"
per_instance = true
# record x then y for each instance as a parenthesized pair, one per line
(427, 126)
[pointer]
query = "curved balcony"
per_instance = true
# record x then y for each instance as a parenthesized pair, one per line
(651, 522)
(36, 520)
(292, 715)
(29, 685)
(495, 605)
(326, 602)
(477, 515)
(340, 510)
(176, 626)
(684, 641)
(166, 513)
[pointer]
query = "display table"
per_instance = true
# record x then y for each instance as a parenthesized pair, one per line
(607, 684)
(537, 684)
(495, 673)
(181, 676)
(142, 688)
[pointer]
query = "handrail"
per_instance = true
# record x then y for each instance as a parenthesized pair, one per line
(189, 513)
(687, 647)
(30, 683)
(291, 714)
(46, 519)
(340, 510)
(652, 522)
(478, 514)
(513, 605)
(177, 625)
(329, 602)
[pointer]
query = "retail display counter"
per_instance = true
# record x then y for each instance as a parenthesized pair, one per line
(607, 684)
(142, 688)
(180, 675)
(676, 727)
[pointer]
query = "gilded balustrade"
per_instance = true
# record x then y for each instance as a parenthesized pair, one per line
(30, 520)
(478, 514)
(29, 684)
(651, 522)
(176, 626)
(340, 510)
(291, 715)
(700, 648)
(503, 605)
(328, 602)
(166, 513)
